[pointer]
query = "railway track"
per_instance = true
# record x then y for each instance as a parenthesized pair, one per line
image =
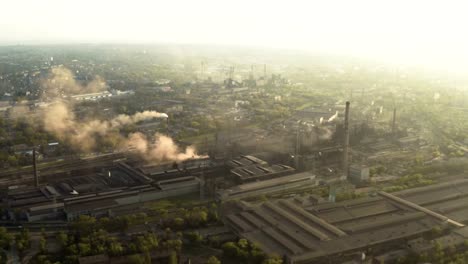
(35, 226)
(25, 175)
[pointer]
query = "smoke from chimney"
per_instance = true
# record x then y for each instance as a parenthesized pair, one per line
(83, 134)
(333, 117)
(164, 148)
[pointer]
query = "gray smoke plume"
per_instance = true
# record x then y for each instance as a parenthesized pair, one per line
(62, 83)
(315, 135)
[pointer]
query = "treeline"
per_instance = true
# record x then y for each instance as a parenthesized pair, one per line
(409, 181)
(246, 252)
(182, 218)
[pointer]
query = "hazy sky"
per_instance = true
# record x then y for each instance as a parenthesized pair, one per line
(426, 32)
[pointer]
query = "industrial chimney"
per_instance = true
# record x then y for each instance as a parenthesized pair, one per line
(346, 142)
(36, 177)
(394, 122)
(298, 146)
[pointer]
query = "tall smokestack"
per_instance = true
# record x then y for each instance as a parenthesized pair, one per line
(167, 126)
(346, 142)
(201, 70)
(298, 146)
(394, 121)
(36, 177)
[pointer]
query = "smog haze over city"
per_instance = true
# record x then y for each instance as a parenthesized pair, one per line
(256, 132)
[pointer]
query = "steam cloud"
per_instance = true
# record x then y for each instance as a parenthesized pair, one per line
(333, 117)
(315, 135)
(59, 120)
(163, 149)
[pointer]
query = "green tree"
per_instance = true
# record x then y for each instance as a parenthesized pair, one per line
(213, 260)
(84, 224)
(436, 231)
(273, 260)
(115, 249)
(137, 259)
(194, 237)
(42, 259)
(174, 244)
(20, 246)
(197, 217)
(62, 239)
(213, 213)
(146, 243)
(179, 223)
(43, 245)
(5, 238)
(22, 241)
(230, 249)
(243, 243)
(173, 258)
(85, 249)
(71, 250)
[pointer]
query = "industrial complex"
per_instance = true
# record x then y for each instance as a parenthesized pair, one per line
(276, 204)
(307, 231)
(245, 167)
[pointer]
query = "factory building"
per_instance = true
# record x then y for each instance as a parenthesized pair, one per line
(409, 141)
(248, 168)
(358, 173)
(91, 96)
(455, 240)
(299, 180)
(244, 161)
(95, 195)
(260, 172)
(304, 232)
(101, 204)
(172, 170)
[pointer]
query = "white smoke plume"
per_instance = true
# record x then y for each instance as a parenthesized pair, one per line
(325, 133)
(122, 120)
(59, 120)
(164, 148)
(315, 135)
(333, 117)
(436, 96)
(83, 134)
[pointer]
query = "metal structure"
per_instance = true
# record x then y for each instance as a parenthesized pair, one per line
(36, 176)
(346, 142)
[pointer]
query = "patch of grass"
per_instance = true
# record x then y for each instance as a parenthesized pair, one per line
(190, 200)
(160, 205)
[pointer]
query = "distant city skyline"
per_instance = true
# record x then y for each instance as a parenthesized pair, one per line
(429, 33)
